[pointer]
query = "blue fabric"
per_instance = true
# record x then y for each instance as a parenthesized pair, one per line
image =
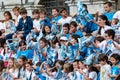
(109, 15)
(56, 19)
(27, 53)
(8, 36)
(26, 27)
(78, 32)
(47, 22)
(114, 71)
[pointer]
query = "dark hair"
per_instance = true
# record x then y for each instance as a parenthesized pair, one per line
(8, 13)
(66, 25)
(75, 36)
(99, 38)
(1, 65)
(22, 43)
(35, 11)
(109, 4)
(43, 31)
(29, 62)
(93, 68)
(23, 10)
(2, 42)
(103, 17)
(44, 40)
(23, 58)
(103, 57)
(116, 20)
(110, 32)
(73, 23)
(63, 9)
(16, 9)
(116, 56)
(55, 9)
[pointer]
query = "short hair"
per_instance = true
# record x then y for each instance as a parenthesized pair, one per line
(109, 4)
(63, 9)
(23, 10)
(55, 9)
(43, 11)
(103, 57)
(99, 38)
(66, 25)
(110, 32)
(8, 13)
(22, 43)
(116, 56)
(35, 11)
(16, 9)
(73, 23)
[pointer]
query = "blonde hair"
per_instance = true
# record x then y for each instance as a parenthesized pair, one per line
(68, 67)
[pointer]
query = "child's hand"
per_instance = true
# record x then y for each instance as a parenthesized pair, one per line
(7, 71)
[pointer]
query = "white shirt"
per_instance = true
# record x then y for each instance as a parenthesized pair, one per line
(93, 75)
(105, 70)
(28, 74)
(1, 26)
(17, 20)
(102, 46)
(14, 72)
(104, 29)
(36, 24)
(66, 20)
(117, 15)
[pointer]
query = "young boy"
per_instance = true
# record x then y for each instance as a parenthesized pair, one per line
(25, 25)
(55, 13)
(108, 12)
(105, 69)
(107, 45)
(36, 21)
(17, 14)
(65, 18)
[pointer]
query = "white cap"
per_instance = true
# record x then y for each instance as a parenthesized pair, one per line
(64, 38)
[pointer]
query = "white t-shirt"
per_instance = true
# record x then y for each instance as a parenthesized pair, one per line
(104, 29)
(1, 26)
(105, 70)
(36, 24)
(17, 20)
(14, 72)
(28, 74)
(117, 15)
(63, 21)
(93, 75)
(102, 46)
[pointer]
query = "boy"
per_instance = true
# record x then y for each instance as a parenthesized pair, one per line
(55, 13)
(25, 25)
(65, 18)
(105, 69)
(108, 12)
(36, 21)
(107, 45)
(17, 14)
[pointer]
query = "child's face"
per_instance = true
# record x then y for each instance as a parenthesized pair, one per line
(63, 42)
(24, 15)
(28, 67)
(47, 29)
(107, 37)
(113, 22)
(36, 15)
(65, 30)
(64, 13)
(16, 13)
(102, 62)
(42, 44)
(107, 8)
(101, 21)
(80, 64)
(20, 62)
(23, 47)
(6, 16)
(72, 29)
(10, 63)
(74, 40)
(113, 60)
(75, 65)
(42, 16)
(54, 13)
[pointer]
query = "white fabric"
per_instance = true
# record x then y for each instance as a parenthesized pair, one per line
(28, 73)
(105, 70)
(1, 26)
(104, 29)
(14, 72)
(117, 15)
(63, 21)
(36, 24)
(102, 46)
(93, 75)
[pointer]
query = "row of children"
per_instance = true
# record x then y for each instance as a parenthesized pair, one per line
(64, 48)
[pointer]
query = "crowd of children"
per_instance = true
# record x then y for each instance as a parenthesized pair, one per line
(81, 47)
